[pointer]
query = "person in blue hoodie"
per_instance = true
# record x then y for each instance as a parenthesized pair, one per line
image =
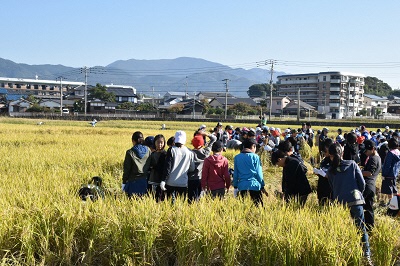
(136, 167)
(348, 184)
(248, 175)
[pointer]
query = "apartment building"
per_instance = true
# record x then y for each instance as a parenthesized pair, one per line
(44, 88)
(335, 94)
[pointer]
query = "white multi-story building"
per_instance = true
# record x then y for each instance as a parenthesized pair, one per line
(39, 87)
(335, 94)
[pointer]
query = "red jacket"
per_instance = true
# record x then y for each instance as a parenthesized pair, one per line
(215, 174)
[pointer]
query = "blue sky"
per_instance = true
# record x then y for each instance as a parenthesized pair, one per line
(354, 36)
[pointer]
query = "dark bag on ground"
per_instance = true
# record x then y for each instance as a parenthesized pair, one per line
(93, 190)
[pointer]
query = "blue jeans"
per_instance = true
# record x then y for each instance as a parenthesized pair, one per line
(357, 213)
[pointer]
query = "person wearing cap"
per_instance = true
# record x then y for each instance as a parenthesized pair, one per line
(200, 152)
(394, 204)
(370, 173)
(179, 162)
(248, 176)
(215, 175)
(339, 137)
(136, 167)
(390, 170)
(295, 185)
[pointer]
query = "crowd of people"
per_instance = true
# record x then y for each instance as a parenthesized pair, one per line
(348, 166)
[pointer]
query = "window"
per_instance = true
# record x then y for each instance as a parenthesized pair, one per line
(324, 79)
(43, 87)
(36, 87)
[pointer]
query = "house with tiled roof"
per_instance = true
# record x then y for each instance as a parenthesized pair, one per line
(375, 104)
(219, 102)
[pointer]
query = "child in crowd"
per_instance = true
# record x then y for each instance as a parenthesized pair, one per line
(179, 162)
(390, 170)
(136, 167)
(295, 184)
(348, 184)
(200, 153)
(157, 161)
(215, 175)
(248, 175)
(370, 172)
(324, 190)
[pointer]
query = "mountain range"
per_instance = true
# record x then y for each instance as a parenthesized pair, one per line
(151, 77)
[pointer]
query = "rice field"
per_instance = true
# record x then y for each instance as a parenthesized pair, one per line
(44, 222)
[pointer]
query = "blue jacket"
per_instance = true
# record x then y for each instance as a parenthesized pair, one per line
(247, 173)
(391, 166)
(347, 183)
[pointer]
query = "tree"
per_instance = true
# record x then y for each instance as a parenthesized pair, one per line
(258, 90)
(377, 87)
(100, 92)
(176, 108)
(146, 107)
(126, 106)
(240, 109)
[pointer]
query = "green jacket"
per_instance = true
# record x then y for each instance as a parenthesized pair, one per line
(136, 163)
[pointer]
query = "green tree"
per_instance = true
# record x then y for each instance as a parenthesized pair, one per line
(100, 92)
(126, 106)
(146, 107)
(176, 108)
(31, 98)
(258, 90)
(79, 106)
(240, 109)
(377, 87)
(35, 108)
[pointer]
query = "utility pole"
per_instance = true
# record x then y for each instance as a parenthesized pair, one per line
(270, 88)
(85, 97)
(61, 96)
(298, 104)
(226, 97)
(186, 88)
(153, 96)
(194, 105)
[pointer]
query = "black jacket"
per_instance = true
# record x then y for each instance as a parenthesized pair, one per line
(294, 179)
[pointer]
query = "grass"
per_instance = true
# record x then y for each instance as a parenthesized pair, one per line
(43, 222)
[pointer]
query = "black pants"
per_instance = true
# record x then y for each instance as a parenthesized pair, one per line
(255, 195)
(174, 192)
(368, 208)
(194, 189)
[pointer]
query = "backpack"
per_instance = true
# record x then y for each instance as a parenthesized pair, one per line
(93, 190)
